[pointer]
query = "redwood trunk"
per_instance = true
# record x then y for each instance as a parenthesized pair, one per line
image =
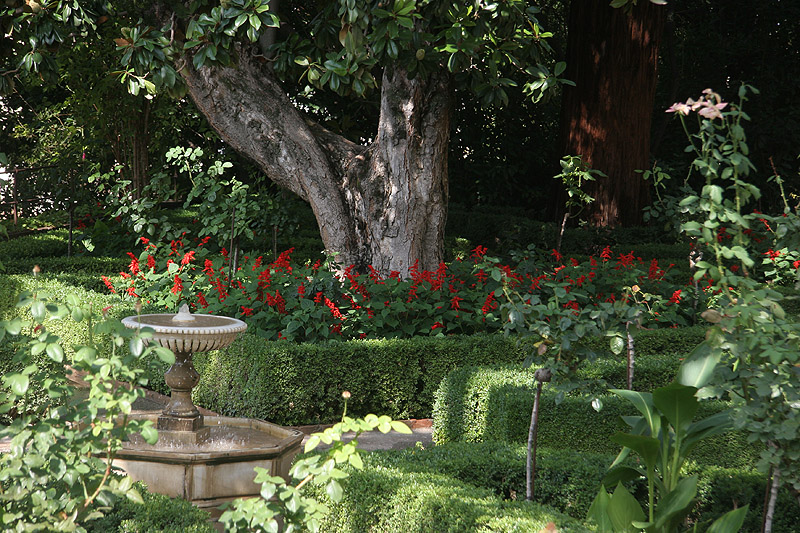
(382, 204)
(612, 57)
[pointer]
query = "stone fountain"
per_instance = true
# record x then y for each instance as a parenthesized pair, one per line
(207, 460)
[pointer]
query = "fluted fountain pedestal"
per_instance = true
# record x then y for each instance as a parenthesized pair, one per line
(206, 460)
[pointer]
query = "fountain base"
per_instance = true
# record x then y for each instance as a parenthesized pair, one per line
(212, 470)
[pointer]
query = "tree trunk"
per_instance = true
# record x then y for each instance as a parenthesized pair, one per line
(383, 204)
(612, 58)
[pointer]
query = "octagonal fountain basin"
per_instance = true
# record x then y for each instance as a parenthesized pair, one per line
(206, 460)
(219, 469)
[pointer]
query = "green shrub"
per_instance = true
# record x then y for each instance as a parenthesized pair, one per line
(291, 383)
(390, 500)
(71, 335)
(479, 404)
(655, 342)
(41, 244)
(649, 373)
(565, 480)
(60, 266)
(568, 480)
(157, 513)
(722, 489)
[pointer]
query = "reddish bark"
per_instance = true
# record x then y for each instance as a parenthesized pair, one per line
(612, 57)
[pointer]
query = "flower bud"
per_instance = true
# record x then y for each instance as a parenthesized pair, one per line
(346, 395)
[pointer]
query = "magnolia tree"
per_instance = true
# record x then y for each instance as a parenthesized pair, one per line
(379, 201)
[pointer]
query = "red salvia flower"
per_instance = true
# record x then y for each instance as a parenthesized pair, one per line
(177, 285)
(334, 310)
(134, 266)
(490, 304)
(201, 300)
(151, 262)
(188, 257)
(108, 284)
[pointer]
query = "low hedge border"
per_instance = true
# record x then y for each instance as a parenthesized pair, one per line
(389, 500)
(479, 404)
(295, 384)
(568, 480)
(157, 513)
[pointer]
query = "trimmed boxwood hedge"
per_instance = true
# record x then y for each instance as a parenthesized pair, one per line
(157, 513)
(41, 244)
(479, 404)
(302, 383)
(390, 500)
(568, 481)
(650, 342)
(293, 384)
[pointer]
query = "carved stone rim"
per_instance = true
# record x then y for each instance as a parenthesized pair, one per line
(233, 326)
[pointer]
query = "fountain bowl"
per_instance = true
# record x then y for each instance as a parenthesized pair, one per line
(207, 460)
(217, 470)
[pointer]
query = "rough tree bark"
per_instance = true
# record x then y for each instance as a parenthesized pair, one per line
(606, 118)
(383, 204)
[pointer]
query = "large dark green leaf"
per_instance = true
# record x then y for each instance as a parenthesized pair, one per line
(676, 504)
(697, 369)
(598, 511)
(643, 401)
(623, 509)
(678, 403)
(646, 447)
(730, 522)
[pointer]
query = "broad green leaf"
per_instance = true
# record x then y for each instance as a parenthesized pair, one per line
(38, 310)
(713, 425)
(643, 401)
(676, 504)
(55, 352)
(621, 474)
(598, 511)
(134, 496)
(730, 522)
(401, 427)
(624, 509)
(617, 344)
(334, 490)
(678, 403)
(311, 443)
(149, 434)
(646, 447)
(697, 369)
(18, 383)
